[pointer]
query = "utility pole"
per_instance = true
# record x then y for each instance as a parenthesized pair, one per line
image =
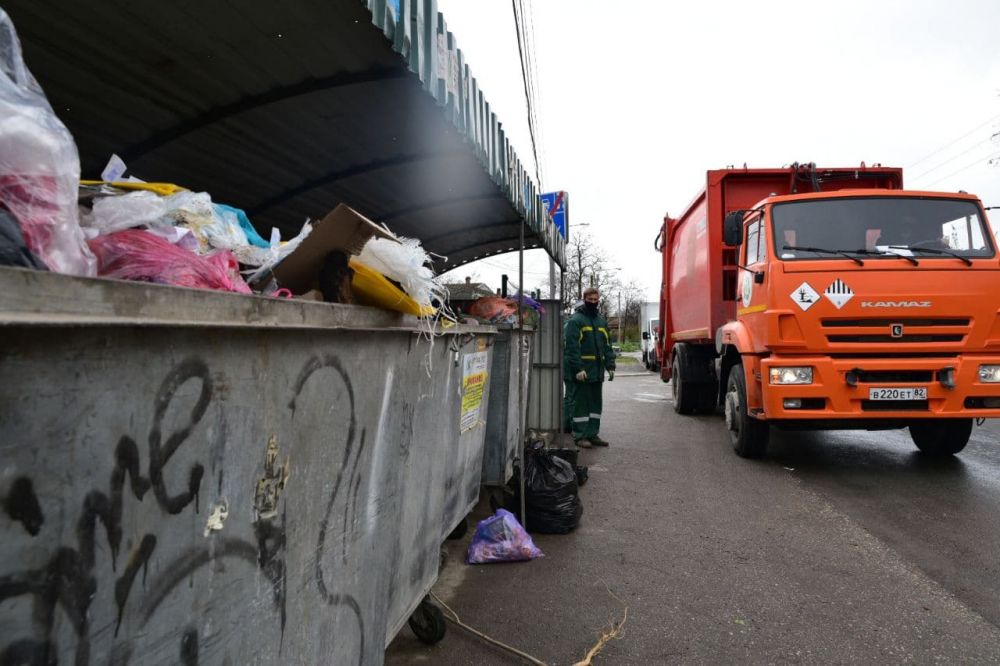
(619, 317)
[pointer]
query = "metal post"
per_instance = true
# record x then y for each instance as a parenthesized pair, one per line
(559, 324)
(520, 367)
(552, 278)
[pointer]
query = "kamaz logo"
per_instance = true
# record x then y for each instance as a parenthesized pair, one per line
(895, 304)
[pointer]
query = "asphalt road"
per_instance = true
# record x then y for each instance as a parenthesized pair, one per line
(841, 547)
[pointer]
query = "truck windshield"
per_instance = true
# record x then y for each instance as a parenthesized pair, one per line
(882, 228)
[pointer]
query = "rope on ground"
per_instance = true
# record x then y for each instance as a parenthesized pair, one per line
(457, 621)
(614, 632)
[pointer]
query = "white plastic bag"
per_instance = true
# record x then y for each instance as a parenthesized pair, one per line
(114, 213)
(405, 262)
(39, 165)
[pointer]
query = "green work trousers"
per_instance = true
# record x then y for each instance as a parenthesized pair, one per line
(583, 406)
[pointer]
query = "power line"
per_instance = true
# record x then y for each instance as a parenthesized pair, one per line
(952, 143)
(949, 161)
(536, 90)
(984, 160)
(527, 93)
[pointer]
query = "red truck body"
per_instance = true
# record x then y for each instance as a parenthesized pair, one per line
(698, 293)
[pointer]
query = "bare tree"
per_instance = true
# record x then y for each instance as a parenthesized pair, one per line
(587, 265)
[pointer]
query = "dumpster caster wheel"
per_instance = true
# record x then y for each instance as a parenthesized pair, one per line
(428, 623)
(460, 530)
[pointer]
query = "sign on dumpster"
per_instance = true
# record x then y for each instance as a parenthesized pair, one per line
(473, 383)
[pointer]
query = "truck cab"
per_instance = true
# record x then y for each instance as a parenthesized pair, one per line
(861, 307)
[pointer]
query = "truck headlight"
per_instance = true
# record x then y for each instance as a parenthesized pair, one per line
(792, 375)
(989, 374)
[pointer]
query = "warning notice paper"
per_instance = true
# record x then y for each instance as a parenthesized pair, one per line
(473, 383)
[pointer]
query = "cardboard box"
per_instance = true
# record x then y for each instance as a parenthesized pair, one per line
(343, 229)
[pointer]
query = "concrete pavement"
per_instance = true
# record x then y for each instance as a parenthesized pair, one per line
(839, 547)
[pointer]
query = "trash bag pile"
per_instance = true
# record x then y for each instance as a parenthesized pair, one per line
(551, 496)
(500, 538)
(499, 310)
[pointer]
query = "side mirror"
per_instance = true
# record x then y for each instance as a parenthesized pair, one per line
(732, 228)
(645, 335)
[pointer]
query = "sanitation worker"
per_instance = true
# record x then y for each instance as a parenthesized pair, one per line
(587, 354)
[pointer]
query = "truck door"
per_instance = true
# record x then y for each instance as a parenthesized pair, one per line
(753, 277)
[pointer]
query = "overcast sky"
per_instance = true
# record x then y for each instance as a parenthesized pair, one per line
(639, 99)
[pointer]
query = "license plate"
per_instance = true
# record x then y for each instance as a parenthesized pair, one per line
(897, 394)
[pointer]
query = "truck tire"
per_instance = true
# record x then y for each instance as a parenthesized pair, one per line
(748, 435)
(941, 438)
(684, 394)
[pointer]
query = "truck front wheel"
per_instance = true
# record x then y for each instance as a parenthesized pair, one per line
(748, 435)
(939, 438)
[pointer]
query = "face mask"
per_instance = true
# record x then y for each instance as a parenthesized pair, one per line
(591, 308)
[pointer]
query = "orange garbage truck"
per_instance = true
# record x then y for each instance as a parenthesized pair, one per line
(808, 298)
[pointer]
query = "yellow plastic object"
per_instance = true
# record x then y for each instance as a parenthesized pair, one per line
(163, 189)
(372, 288)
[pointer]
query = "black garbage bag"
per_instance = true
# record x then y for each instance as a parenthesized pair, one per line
(551, 500)
(572, 456)
(13, 249)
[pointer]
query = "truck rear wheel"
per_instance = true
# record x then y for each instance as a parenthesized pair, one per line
(683, 398)
(691, 397)
(748, 435)
(941, 438)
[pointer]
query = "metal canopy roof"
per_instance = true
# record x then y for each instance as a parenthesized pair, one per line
(286, 109)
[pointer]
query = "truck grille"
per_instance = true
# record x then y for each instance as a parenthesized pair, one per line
(894, 376)
(882, 323)
(878, 331)
(892, 340)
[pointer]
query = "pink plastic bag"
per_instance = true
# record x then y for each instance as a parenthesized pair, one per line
(135, 254)
(500, 538)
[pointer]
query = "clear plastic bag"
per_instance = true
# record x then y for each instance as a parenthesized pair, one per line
(135, 254)
(500, 538)
(39, 165)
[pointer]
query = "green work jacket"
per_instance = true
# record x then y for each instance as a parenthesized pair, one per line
(586, 347)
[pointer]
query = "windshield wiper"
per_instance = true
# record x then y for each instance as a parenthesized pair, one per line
(882, 253)
(843, 253)
(930, 250)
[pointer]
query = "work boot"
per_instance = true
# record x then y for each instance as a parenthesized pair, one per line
(597, 441)
(582, 443)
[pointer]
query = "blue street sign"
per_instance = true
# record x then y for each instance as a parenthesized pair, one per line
(555, 205)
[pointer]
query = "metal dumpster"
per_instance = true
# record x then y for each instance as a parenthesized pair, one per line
(193, 476)
(500, 447)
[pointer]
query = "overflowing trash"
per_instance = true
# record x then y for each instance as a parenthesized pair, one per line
(124, 227)
(500, 310)
(500, 538)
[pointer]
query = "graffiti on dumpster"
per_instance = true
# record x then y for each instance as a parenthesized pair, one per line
(67, 583)
(354, 448)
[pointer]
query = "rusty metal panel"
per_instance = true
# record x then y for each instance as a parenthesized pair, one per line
(268, 482)
(500, 446)
(545, 400)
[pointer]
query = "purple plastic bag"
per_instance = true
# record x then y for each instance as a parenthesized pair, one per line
(500, 538)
